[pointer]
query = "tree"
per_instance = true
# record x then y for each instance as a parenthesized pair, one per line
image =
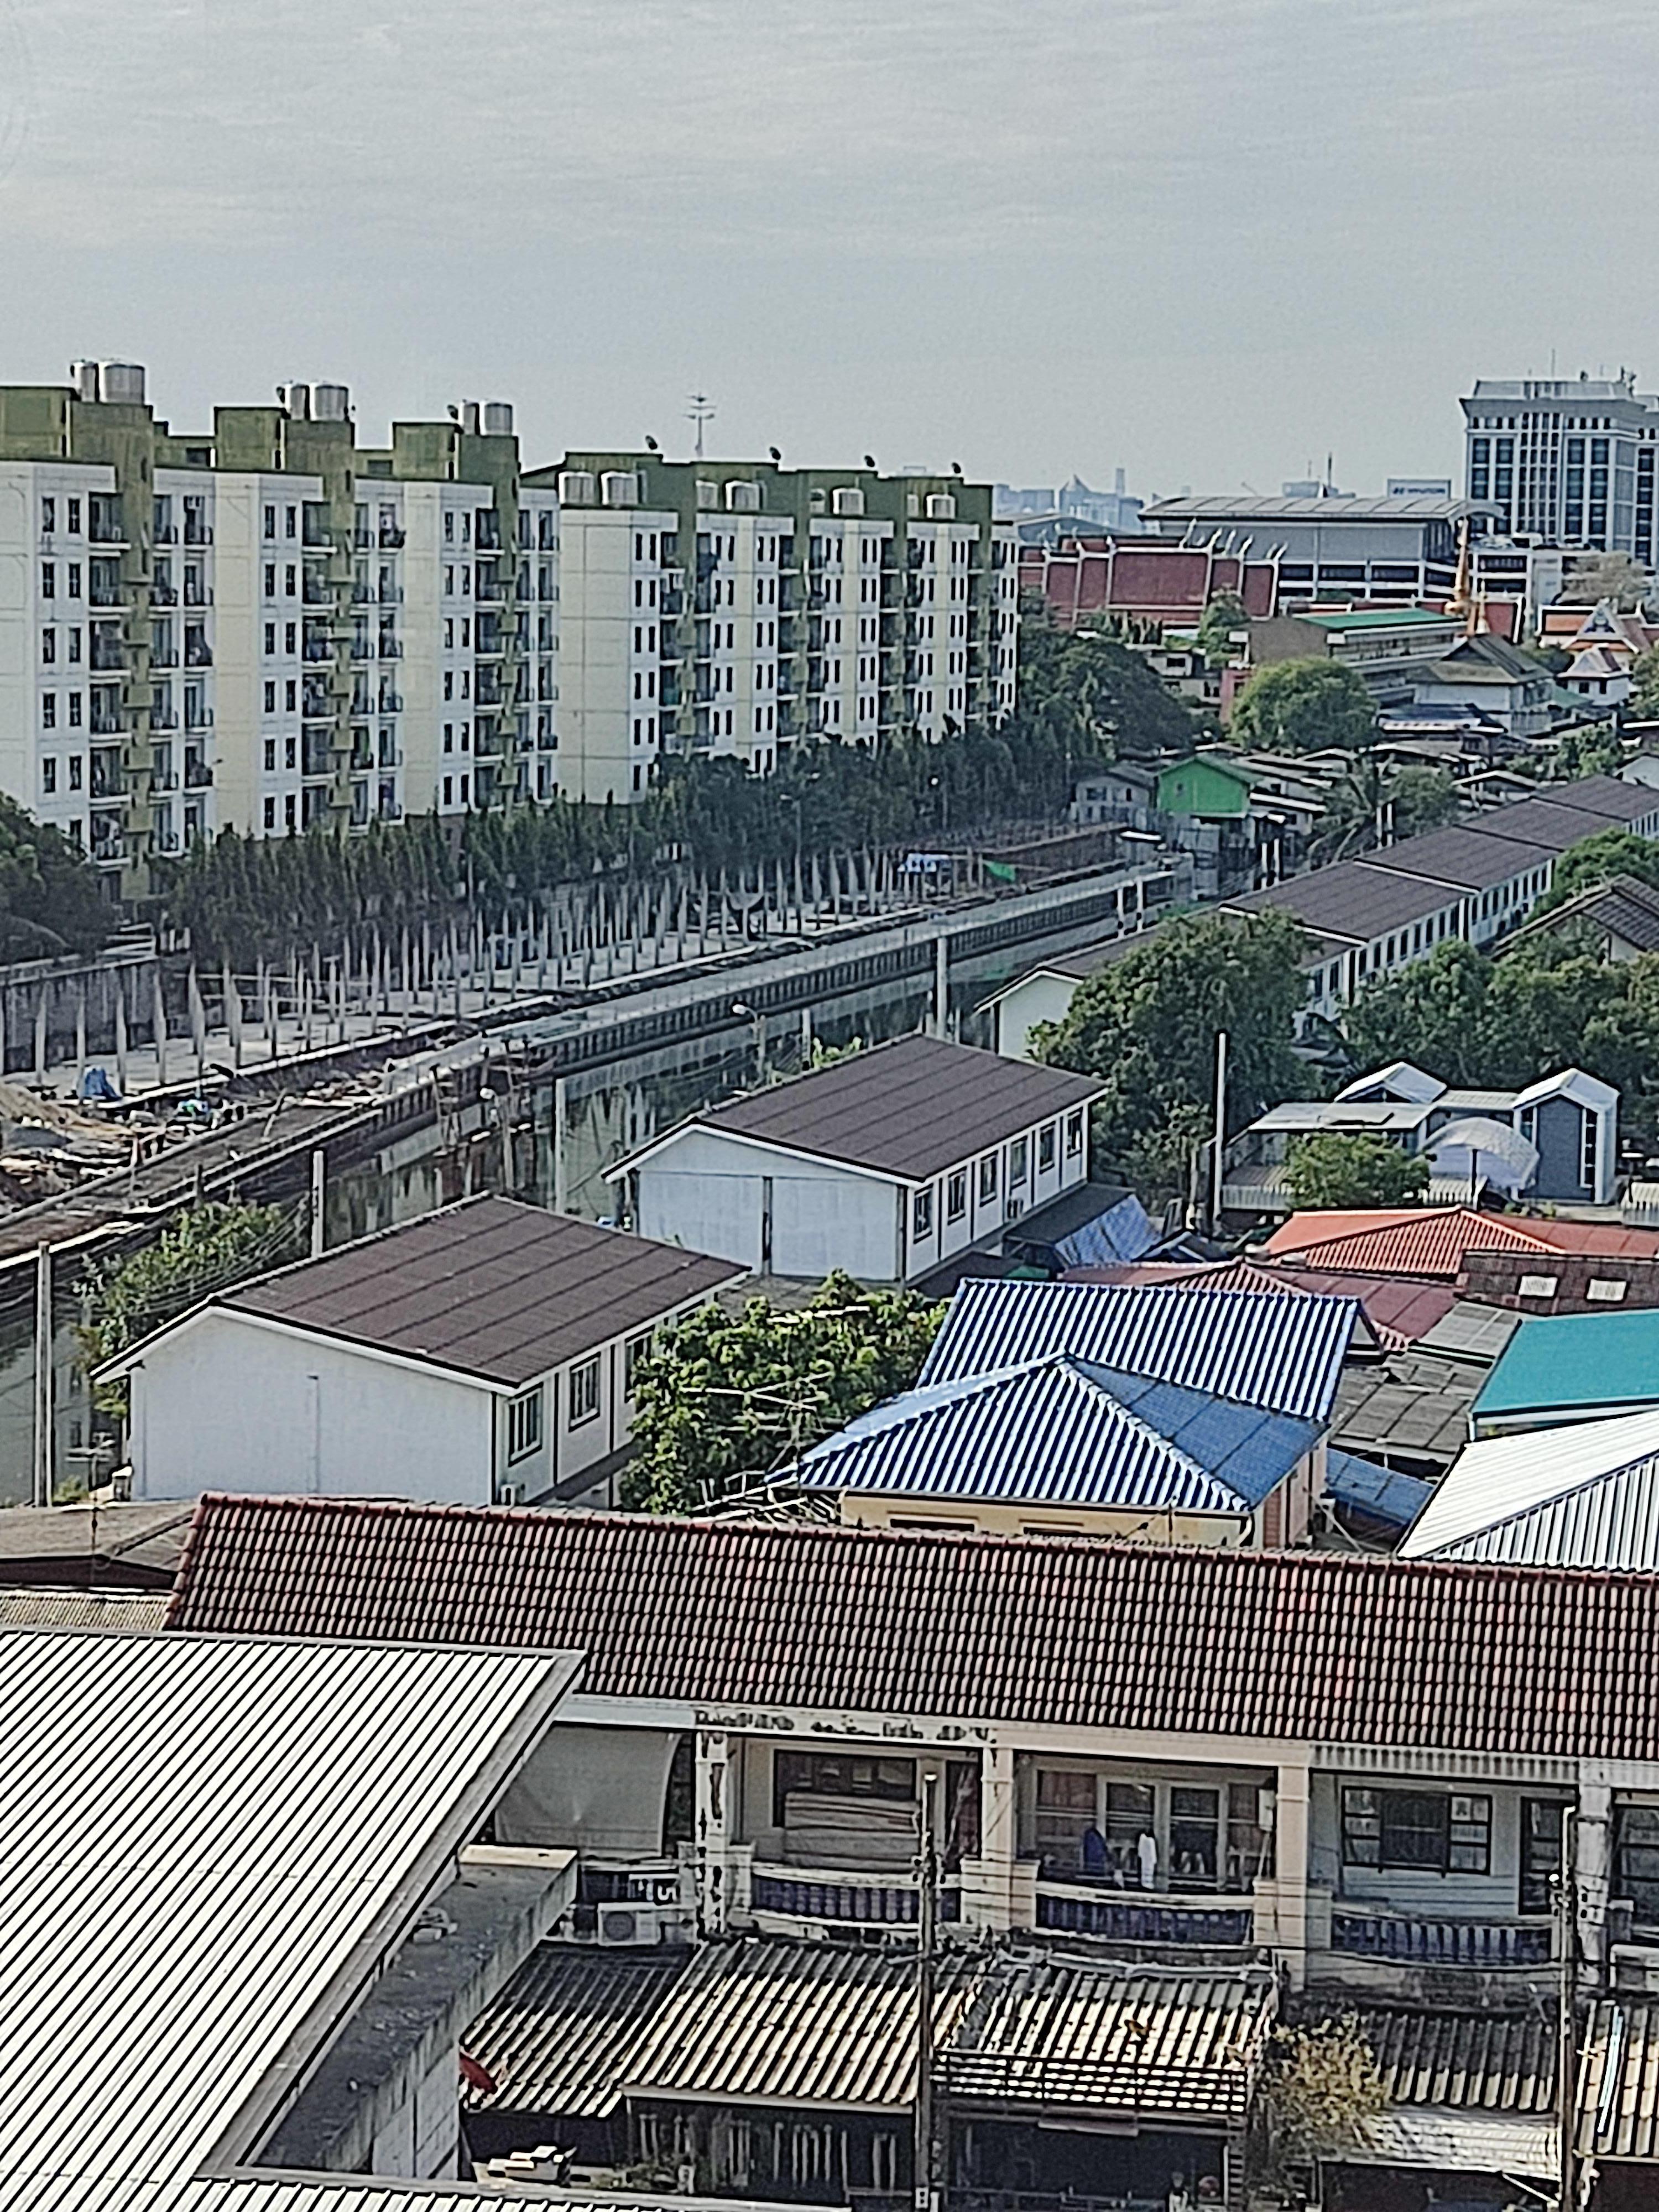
(1303, 707)
(52, 899)
(1146, 1027)
(1597, 859)
(1432, 1013)
(721, 1396)
(1369, 805)
(1423, 799)
(1343, 1171)
(205, 1251)
(1321, 2085)
(1224, 615)
(1589, 749)
(1613, 576)
(1095, 691)
(1644, 694)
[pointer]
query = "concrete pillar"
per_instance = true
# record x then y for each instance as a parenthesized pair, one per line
(1593, 1871)
(712, 1804)
(1282, 1905)
(989, 1882)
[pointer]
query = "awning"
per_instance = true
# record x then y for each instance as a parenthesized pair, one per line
(1440, 2137)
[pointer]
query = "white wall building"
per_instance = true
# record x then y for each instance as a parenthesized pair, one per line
(884, 1165)
(485, 1352)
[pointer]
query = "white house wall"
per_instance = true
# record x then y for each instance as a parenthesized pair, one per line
(227, 1404)
(1040, 998)
(709, 1194)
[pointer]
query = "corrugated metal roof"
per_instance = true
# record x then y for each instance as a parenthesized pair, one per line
(1061, 1430)
(1619, 2079)
(1431, 1240)
(198, 1834)
(557, 2039)
(1586, 1495)
(1448, 2141)
(1307, 1646)
(139, 1612)
(1482, 2061)
(908, 1108)
(1394, 1500)
(1352, 902)
(1563, 1362)
(1398, 1310)
(489, 1287)
(1284, 1354)
(793, 2023)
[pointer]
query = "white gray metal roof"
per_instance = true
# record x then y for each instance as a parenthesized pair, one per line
(1586, 1495)
(205, 1844)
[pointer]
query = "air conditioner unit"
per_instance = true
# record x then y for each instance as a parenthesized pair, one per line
(630, 1925)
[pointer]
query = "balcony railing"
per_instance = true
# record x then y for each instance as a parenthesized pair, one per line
(391, 539)
(1439, 1943)
(843, 1899)
(1125, 1918)
(163, 594)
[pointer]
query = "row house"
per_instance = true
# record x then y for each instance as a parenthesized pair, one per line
(1362, 1773)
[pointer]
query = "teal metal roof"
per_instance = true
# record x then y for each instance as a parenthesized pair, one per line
(1571, 1361)
(1379, 618)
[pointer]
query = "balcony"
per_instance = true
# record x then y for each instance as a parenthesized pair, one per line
(166, 534)
(1402, 1939)
(108, 653)
(165, 655)
(199, 654)
(107, 852)
(489, 592)
(316, 594)
(163, 594)
(842, 1900)
(197, 593)
(392, 540)
(197, 532)
(389, 595)
(105, 592)
(1131, 1916)
(319, 648)
(164, 718)
(390, 649)
(198, 718)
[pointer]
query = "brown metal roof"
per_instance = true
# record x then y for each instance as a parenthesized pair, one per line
(1473, 2062)
(1303, 1646)
(490, 1288)
(1619, 2081)
(907, 1108)
(759, 2022)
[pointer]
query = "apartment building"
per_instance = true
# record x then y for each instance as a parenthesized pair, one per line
(266, 625)
(734, 608)
(1569, 460)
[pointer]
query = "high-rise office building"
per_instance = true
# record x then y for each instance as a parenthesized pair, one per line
(739, 607)
(265, 625)
(1569, 460)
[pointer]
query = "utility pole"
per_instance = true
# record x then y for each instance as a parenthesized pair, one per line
(1566, 2062)
(43, 1436)
(925, 2162)
(1220, 1131)
(318, 1195)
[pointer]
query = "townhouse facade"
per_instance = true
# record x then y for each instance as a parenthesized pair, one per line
(736, 607)
(267, 625)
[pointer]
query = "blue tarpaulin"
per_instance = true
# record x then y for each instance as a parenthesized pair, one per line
(1394, 1500)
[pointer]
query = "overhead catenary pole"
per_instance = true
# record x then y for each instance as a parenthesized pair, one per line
(1220, 1140)
(1566, 2064)
(318, 1200)
(924, 2162)
(43, 1421)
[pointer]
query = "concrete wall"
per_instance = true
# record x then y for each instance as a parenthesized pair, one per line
(228, 1404)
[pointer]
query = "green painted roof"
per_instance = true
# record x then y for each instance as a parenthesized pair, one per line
(1575, 1360)
(1377, 618)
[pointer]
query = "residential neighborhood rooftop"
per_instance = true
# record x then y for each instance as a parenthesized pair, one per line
(1582, 1495)
(906, 1110)
(489, 1287)
(1294, 1645)
(1574, 1364)
(1432, 1241)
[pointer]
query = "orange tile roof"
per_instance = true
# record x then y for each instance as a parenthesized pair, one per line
(1432, 1241)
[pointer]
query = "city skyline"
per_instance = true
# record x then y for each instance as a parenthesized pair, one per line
(1201, 239)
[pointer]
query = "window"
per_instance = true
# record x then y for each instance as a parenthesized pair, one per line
(1073, 1133)
(1636, 1861)
(1048, 1145)
(270, 698)
(48, 514)
(73, 709)
(75, 518)
(1019, 1159)
(271, 814)
(270, 755)
(290, 521)
(48, 776)
(524, 1424)
(48, 646)
(828, 1774)
(956, 1195)
(1438, 1834)
(1589, 1147)
(270, 580)
(1195, 1836)
(271, 522)
(921, 1215)
(987, 1178)
(48, 580)
(1541, 1852)
(634, 1352)
(74, 760)
(49, 710)
(1064, 1812)
(584, 1384)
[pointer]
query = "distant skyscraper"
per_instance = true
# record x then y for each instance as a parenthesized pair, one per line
(1570, 461)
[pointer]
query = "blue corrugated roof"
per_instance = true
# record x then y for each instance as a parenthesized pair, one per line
(1059, 1432)
(1378, 1492)
(1124, 1232)
(1284, 1354)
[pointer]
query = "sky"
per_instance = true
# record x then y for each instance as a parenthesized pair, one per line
(1204, 241)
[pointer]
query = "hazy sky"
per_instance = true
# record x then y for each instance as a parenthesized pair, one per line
(1205, 239)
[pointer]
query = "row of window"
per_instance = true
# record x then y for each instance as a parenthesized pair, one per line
(987, 1173)
(525, 1412)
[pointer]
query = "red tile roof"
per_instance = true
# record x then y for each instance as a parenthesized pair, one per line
(1431, 1240)
(1307, 1646)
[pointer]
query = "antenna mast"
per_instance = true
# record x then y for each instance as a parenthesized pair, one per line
(699, 412)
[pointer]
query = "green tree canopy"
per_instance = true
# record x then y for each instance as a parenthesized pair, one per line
(722, 1398)
(1331, 1169)
(1224, 615)
(1303, 707)
(1644, 695)
(1095, 693)
(1369, 801)
(1613, 576)
(1432, 1013)
(1597, 859)
(1589, 749)
(51, 898)
(1146, 1027)
(1320, 2086)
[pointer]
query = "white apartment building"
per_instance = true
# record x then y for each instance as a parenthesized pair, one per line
(267, 626)
(732, 609)
(1568, 461)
